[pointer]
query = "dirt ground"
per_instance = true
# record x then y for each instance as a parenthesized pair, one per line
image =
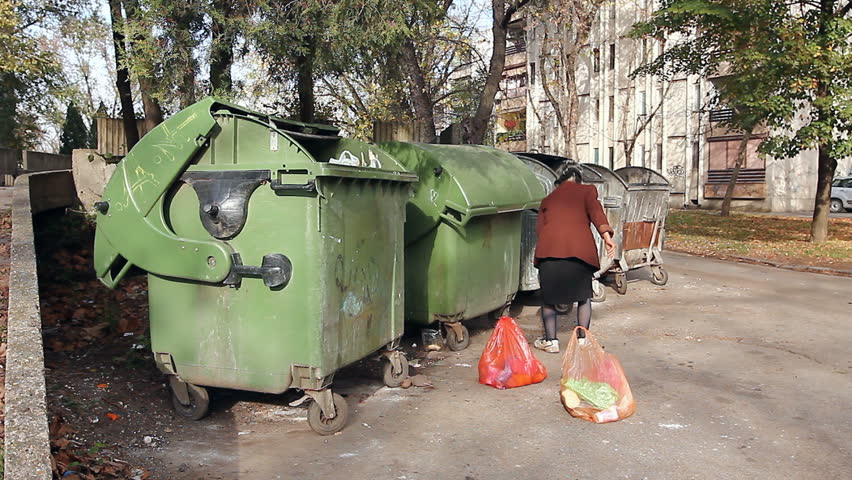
(739, 371)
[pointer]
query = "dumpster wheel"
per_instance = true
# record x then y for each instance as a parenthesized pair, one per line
(457, 336)
(659, 275)
(328, 426)
(563, 308)
(199, 403)
(392, 379)
(621, 283)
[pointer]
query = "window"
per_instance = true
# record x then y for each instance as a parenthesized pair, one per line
(642, 155)
(660, 157)
(644, 50)
(612, 10)
(532, 73)
(596, 60)
(699, 101)
(597, 109)
(611, 108)
(611, 158)
(695, 156)
(612, 56)
(643, 107)
(597, 156)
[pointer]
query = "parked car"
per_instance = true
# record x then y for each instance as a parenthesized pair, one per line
(841, 194)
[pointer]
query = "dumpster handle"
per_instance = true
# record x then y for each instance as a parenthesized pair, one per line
(310, 186)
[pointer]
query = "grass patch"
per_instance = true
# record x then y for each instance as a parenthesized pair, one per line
(764, 237)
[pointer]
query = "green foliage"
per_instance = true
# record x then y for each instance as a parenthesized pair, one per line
(74, 131)
(29, 70)
(786, 63)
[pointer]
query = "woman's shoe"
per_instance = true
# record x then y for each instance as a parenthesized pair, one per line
(549, 346)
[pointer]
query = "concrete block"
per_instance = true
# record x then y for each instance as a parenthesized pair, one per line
(91, 174)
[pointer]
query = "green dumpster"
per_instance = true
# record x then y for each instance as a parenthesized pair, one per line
(463, 232)
(274, 253)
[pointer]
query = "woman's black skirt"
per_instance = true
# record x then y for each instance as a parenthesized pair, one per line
(564, 280)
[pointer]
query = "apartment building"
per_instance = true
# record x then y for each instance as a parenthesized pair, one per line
(622, 120)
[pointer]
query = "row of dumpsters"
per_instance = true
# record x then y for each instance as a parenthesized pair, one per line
(278, 252)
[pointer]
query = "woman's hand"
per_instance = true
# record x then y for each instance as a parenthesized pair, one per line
(610, 245)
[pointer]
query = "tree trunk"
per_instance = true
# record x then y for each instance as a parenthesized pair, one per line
(305, 83)
(554, 101)
(742, 151)
(422, 103)
(825, 173)
(222, 47)
(150, 105)
(479, 123)
(122, 76)
(827, 164)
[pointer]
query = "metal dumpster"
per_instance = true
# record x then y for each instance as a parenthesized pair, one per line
(538, 162)
(644, 227)
(612, 193)
(270, 265)
(529, 273)
(463, 232)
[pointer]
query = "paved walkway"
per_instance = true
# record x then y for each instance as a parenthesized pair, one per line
(739, 371)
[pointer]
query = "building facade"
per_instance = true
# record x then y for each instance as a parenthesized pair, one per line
(624, 120)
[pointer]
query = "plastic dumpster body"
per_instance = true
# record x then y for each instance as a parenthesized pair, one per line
(463, 232)
(269, 266)
(646, 208)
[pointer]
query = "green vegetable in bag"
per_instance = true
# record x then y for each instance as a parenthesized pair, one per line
(598, 394)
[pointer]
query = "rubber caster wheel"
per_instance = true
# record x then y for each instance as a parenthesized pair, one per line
(621, 283)
(328, 426)
(199, 403)
(598, 292)
(563, 308)
(394, 380)
(659, 276)
(453, 342)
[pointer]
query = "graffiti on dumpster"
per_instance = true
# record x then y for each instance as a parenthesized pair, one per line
(348, 158)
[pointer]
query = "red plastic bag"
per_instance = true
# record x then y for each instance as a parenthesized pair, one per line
(593, 385)
(507, 360)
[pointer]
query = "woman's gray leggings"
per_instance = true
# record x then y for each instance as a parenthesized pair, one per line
(548, 317)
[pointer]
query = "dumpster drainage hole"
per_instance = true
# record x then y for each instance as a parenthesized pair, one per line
(211, 261)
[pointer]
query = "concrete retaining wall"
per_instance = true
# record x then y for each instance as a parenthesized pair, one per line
(16, 162)
(27, 445)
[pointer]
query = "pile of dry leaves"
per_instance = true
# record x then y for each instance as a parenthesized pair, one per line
(88, 330)
(5, 245)
(759, 237)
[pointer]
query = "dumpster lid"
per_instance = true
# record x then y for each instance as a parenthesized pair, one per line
(606, 175)
(545, 175)
(643, 177)
(459, 182)
(329, 132)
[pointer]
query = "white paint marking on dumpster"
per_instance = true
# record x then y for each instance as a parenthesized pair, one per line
(672, 426)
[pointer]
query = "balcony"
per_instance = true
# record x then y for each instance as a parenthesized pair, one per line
(513, 141)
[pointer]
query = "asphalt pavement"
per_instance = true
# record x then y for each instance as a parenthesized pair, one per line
(739, 372)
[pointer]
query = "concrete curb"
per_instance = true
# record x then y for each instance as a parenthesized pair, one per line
(27, 444)
(769, 263)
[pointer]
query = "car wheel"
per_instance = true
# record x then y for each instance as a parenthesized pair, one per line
(836, 205)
